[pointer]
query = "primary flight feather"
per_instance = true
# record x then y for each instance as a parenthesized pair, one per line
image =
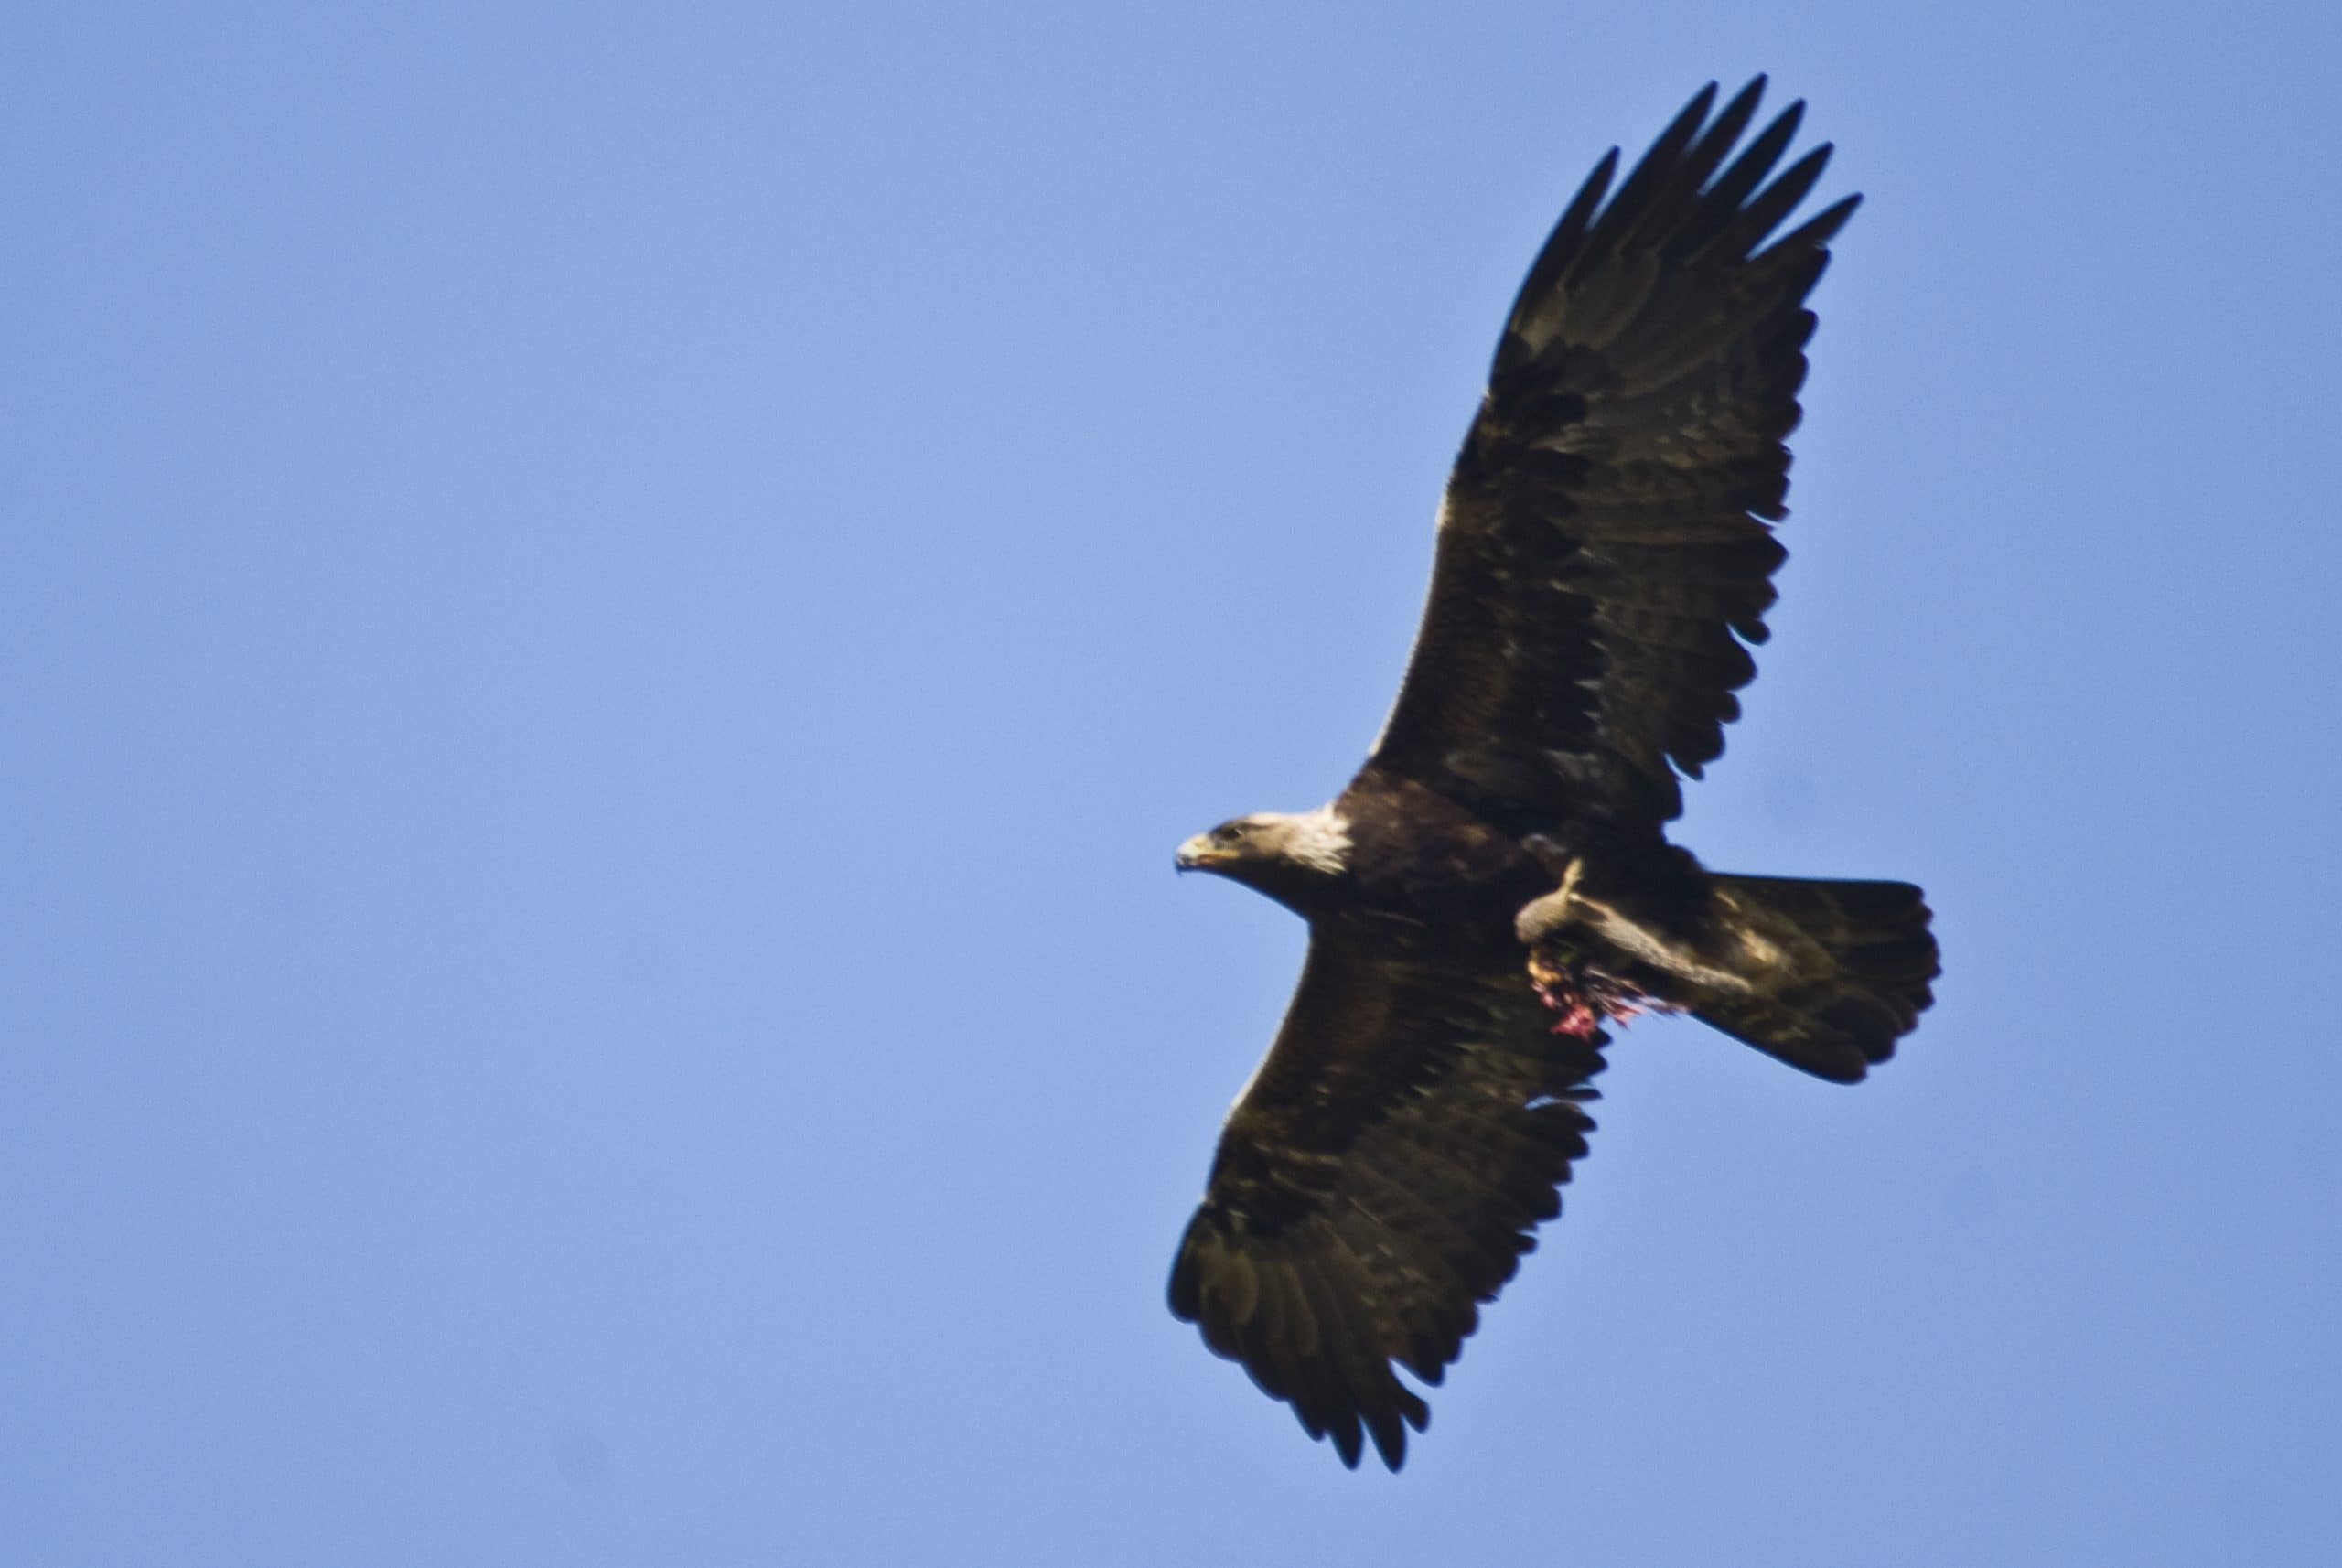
(1496, 882)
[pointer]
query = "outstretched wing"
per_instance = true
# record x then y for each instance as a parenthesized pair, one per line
(1604, 550)
(1379, 1179)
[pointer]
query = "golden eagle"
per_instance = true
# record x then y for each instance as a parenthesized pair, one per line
(1496, 882)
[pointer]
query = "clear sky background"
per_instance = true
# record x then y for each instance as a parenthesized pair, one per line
(608, 617)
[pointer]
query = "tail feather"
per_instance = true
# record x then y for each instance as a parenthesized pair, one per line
(1851, 977)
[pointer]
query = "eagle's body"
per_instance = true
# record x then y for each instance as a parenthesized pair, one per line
(1496, 882)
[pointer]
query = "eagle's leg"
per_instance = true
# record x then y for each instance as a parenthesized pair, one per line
(1580, 994)
(1540, 918)
(1554, 968)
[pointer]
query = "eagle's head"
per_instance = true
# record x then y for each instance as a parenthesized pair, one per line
(1288, 855)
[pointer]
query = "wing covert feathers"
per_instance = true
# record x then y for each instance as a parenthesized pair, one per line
(1605, 552)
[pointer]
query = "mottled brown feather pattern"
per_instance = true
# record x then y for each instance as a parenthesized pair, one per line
(1605, 554)
(1859, 970)
(1381, 1178)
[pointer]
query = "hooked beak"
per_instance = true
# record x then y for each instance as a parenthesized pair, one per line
(1197, 854)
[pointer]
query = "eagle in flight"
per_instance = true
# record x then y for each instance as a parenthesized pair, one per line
(1496, 882)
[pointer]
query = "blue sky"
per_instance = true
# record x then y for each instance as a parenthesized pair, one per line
(608, 617)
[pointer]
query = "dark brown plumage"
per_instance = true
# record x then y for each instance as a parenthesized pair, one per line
(1495, 884)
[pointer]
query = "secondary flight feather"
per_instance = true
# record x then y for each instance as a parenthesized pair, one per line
(1496, 882)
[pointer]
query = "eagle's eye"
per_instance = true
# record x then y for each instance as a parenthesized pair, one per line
(1235, 830)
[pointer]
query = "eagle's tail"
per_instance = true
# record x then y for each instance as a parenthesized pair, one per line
(1845, 973)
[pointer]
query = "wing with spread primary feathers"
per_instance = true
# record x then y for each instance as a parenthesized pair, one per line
(1379, 1179)
(1604, 550)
